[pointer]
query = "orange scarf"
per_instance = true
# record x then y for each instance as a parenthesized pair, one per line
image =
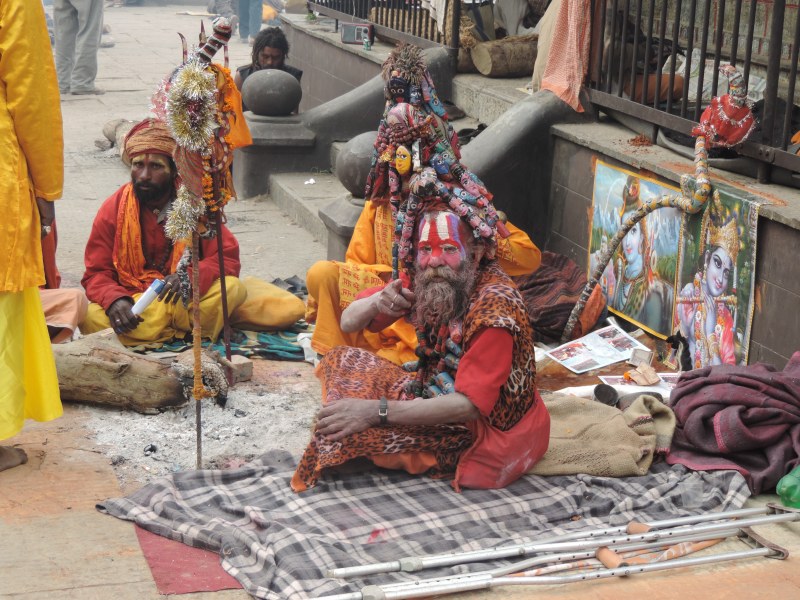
(127, 254)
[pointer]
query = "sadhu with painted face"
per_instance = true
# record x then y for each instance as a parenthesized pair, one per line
(468, 409)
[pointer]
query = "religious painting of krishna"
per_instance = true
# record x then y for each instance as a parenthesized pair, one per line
(716, 281)
(639, 281)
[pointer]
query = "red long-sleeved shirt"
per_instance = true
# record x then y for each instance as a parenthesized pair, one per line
(100, 279)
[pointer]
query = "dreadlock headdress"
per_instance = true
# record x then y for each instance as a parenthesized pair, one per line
(428, 192)
(408, 82)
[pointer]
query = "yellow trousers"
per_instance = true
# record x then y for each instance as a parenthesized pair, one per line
(28, 380)
(252, 305)
(396, 343)
(164, 321)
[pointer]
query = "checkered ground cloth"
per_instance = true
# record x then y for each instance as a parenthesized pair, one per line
(279, 544)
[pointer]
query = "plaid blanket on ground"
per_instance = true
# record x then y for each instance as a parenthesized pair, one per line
(279, 544)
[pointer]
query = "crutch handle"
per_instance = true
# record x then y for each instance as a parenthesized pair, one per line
(609, 558)
(636, 527)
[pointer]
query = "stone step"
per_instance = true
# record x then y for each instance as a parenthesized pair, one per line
(486, 100)
(301, 200)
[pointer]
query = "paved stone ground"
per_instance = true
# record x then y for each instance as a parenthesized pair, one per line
(147, 49)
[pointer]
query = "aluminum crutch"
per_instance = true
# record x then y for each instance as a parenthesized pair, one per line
(418, 563)
(486, 580)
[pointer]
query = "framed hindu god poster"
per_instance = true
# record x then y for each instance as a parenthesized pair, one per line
(716, 280)
(639, 281)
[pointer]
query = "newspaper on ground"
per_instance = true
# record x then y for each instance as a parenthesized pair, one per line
(597, 349)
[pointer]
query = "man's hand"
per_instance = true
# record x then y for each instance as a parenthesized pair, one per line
(121, 317)
(170, 293)
(47, 214)
(343, 417)
(394, 300)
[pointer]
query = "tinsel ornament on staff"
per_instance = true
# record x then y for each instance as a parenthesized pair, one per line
(203, 110)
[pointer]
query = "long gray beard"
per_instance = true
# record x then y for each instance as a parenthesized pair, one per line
(439, 301)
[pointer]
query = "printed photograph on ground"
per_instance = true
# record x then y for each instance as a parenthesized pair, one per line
(716, 281)
(639, 281)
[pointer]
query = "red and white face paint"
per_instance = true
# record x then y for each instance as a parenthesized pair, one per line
(441, 241)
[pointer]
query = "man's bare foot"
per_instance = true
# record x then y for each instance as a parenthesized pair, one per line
(11, 457)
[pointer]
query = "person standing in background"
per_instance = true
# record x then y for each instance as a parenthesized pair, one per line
(250, 14)
(78, 27)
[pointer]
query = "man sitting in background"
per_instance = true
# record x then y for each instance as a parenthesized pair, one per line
(270, 50)
(128, 249)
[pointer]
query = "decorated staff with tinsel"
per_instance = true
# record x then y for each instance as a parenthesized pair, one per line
(727, 121)
(203, 109)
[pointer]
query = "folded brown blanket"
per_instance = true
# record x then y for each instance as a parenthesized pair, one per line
(595, 439)
(745, 418)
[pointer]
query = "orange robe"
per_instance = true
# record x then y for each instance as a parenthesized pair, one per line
(333, 285)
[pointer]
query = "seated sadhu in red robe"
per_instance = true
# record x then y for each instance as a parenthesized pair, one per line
(471, 410)
(128, 249)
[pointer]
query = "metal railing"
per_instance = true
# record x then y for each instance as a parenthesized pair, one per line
(398, 20)
(658, 60)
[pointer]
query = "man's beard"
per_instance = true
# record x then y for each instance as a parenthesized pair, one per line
(150, 193)
(443, 294)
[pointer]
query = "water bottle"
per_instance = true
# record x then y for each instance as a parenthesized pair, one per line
(789, 489)
(149, 295)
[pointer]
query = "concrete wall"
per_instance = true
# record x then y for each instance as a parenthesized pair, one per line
(775, 332)
(328, 72)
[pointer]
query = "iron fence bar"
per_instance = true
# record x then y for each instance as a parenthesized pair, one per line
(689, 49)
(787, 118)
(771, 88)
(662, 31)
(600, 44)
(701, 70)
(613, 43)
(676, 30)
(455, 38)
(658, 117)
(648, 42)
(623, 42)
(748, 51)
(415, 17)
(635, 53)
(718, 46)
(752, 149)
(737, 19)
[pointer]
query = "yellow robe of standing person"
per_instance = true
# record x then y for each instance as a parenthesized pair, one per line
(333, 285)
(32, 150)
